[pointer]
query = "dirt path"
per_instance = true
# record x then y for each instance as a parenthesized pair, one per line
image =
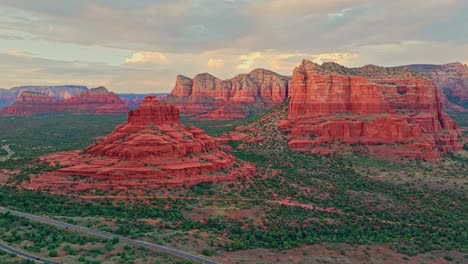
(10, 153)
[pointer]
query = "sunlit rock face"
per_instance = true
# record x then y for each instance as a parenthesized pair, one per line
(207, 96)
(9, 96)
(371, 105)
(153, 149)
(451, 79)
(97, 100)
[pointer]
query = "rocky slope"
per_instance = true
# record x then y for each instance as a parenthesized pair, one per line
(96, 101)
(153, 149)
(8, 96)
(451, 78)
(207, 95)
(393, 110)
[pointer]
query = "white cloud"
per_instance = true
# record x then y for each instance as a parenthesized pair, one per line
(340, 58)
(147, 57)
(215, 63)
(248, 60)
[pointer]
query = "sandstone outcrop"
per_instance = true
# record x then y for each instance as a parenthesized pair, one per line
(95, 101)
(29, 103)
(153, 149)
(132, 103)
(207, 95)
(9, 96)
(451, 78)
(226, 112)
(371, 105)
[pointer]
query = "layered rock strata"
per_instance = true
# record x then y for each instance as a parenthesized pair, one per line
(153, 149)
(207, 95)
(451, 78)
(371, 105)
(95, 101)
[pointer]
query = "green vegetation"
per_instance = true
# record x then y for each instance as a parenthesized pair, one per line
(32, 136)
(459, 117)
(336, 199)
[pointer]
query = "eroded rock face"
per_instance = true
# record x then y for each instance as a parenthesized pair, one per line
(369, 105)
(226, 112)
(96, 101)
(451, 78)
(153, 149)
(29, 103)
(9, 96)
(151, 111)
(206, 94)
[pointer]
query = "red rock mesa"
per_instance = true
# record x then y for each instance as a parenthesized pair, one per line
(95, 101)
(392, 110)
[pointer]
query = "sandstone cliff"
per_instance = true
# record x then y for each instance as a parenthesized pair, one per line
(206, 95)
(29, 103)
(370, 105)
(451, 78)
(96, 101)
(8, 96)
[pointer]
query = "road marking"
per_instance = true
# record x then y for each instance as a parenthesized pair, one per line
(10, 153)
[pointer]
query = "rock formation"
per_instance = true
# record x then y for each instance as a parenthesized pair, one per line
(451, 78)
(96, 101)
(29, 103)
(371, 105)
(8, 96)
(153, 149)
(207, 95)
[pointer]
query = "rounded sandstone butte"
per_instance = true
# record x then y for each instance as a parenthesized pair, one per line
(96, 100)
(151, 150)
(152, 111)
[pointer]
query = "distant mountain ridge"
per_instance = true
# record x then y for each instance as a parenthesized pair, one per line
(95, 101)
(8, 96)
(451, 79)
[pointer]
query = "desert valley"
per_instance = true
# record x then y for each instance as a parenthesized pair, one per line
(305, 161)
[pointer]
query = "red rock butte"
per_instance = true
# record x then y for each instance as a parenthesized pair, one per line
(395, 111)
(153, 112)
(153, 149)
(94, 101)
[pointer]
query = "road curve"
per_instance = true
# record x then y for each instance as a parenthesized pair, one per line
(107, 235)
(25, 255)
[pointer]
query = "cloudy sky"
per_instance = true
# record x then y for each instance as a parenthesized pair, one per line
(140, 46)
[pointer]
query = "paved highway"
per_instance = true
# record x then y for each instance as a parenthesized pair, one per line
(107, 235)
(24, 255)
